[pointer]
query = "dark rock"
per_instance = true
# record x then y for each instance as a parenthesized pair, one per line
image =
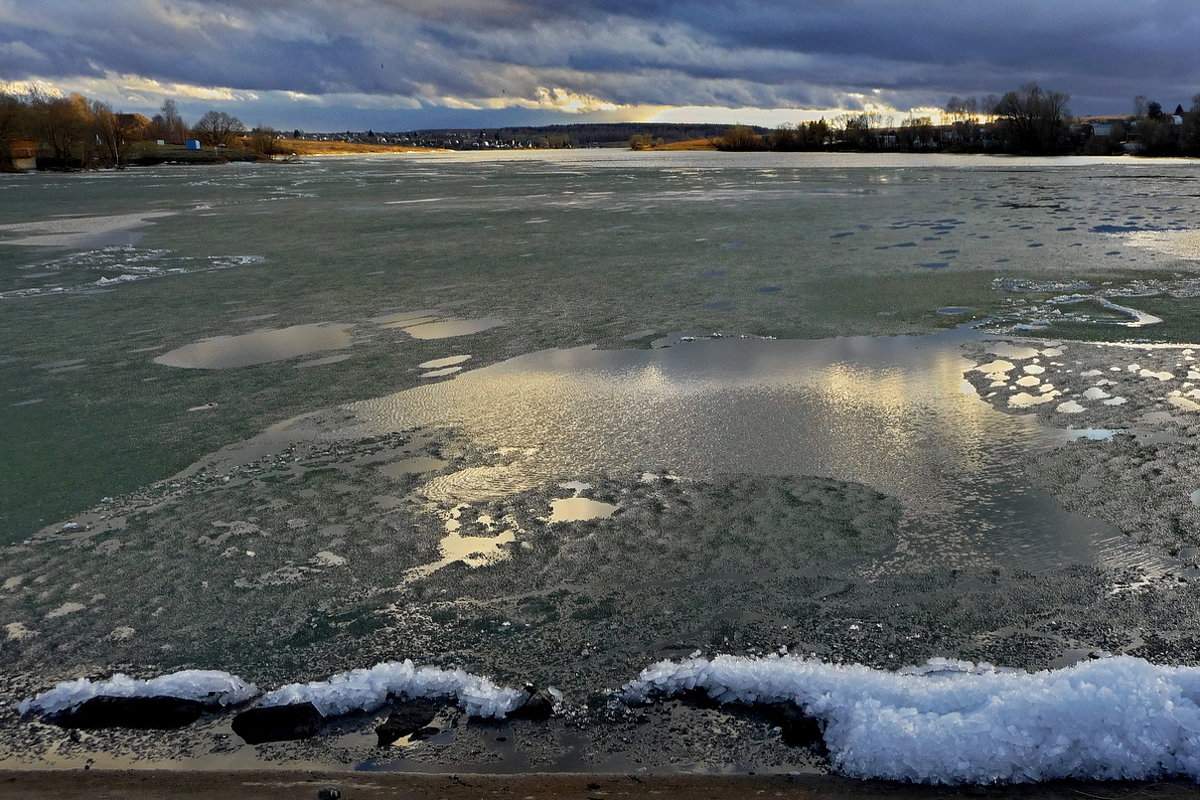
(157, 713)
(409, 719)
(538, 705)
(329, 793)
(277, 723)
(797, 729)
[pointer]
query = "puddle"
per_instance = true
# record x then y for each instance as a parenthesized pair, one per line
(1007, 350)
(448, 328)
(260, 347)
(578, 509)
(474, 551)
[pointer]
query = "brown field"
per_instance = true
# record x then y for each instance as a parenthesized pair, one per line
(688, 144)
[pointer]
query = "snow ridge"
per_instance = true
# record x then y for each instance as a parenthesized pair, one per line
(212, 687)
(369, 689)
(955, 722)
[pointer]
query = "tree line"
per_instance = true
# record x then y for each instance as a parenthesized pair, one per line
(75, 132)
(1030, 121)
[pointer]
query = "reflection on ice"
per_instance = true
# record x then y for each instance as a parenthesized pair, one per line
(260, 347)
(886, 412)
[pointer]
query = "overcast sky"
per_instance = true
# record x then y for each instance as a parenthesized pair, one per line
(402, 64)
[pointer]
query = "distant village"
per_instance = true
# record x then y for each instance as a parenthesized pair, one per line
(44, 132)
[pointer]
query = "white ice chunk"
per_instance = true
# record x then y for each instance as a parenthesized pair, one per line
(1070, 407)
(1096, 393)
(205, 685)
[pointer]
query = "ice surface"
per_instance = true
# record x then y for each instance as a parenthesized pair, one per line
(205, 685)
(368, 689)
(953, 722)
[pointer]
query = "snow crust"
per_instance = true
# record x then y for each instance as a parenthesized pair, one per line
(368, 689)
(955, 722)
(205, 685)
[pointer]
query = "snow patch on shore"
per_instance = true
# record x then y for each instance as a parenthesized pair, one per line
(204, 685)
(369, 689)
(955, 722)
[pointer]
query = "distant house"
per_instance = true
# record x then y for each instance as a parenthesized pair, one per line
(23, 153)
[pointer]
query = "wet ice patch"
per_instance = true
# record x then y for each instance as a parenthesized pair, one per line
(369, 689)
(1113, 718)
(75, 231)
(64, 609)
(328, 559)
(15, 631)
(211, 687)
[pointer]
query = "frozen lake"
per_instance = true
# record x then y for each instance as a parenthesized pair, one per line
(555, 416)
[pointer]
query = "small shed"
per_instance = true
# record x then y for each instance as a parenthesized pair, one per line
(23, 153)
(192, 144)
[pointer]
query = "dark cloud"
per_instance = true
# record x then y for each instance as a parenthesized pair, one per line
(764, 53)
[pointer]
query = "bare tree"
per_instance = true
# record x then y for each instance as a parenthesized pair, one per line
(264, 140)
(168, 125)
(115, 132)
(739, 137)
(217, 128)
(14, 118)
(1032, 119)
(62, 123)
